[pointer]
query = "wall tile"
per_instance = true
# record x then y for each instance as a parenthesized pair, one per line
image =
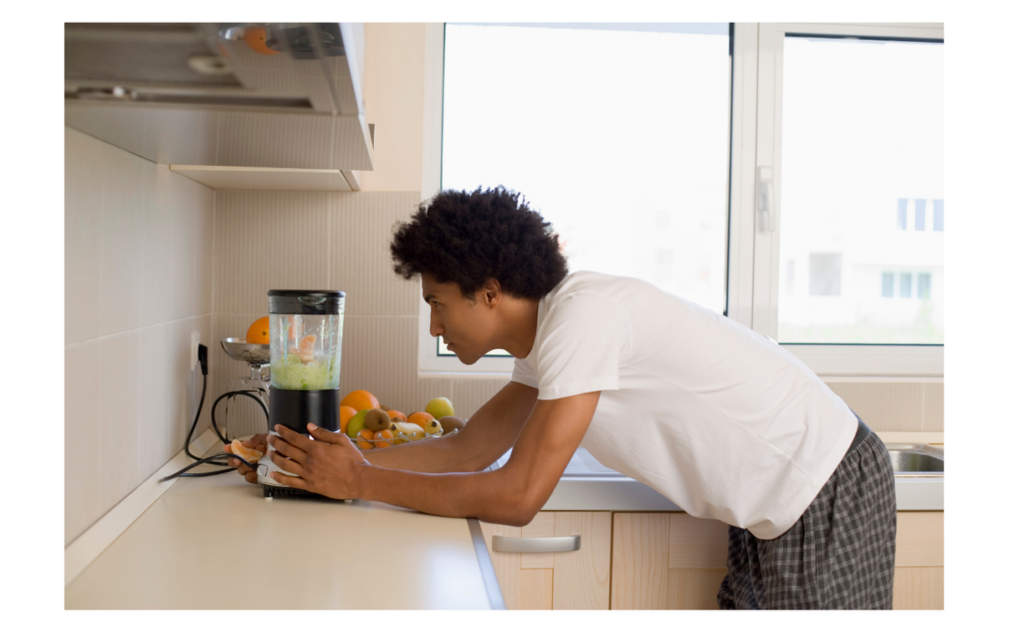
(81, 438)
(206, 205)
(120, 247)
(469, 395)
(167, 384)
(934, 407)
(119, 417)
(361, 226)
(268, 240)
(241, 416)
(884, 406)
(168, 266)
(379, 355)
(83, 199)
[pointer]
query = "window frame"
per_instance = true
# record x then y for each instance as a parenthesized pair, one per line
(753, 261)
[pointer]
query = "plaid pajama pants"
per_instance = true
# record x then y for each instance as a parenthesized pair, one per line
(840, 554)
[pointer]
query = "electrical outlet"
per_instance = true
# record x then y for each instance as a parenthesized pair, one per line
(194, 351)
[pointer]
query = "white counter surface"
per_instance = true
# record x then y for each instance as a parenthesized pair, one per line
(216, 543)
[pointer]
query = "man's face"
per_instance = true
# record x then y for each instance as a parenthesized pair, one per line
(465, 326)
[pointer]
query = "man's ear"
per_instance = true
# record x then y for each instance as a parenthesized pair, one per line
(491, 292)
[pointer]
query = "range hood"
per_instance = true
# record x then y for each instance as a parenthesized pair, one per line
(257, 95)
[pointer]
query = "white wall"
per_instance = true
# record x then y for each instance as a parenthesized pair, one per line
(138, 279)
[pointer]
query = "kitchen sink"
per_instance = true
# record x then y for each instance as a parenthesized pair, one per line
(917, 460)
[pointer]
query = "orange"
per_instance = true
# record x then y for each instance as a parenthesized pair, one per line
(421, 418)
(345, 413)
(361, 400)
(367, 439)
(397, 416)
(380, 438)
(247, 454)
(259, 332)
(256, 38)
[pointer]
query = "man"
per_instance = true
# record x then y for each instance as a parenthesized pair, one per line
(720, 420)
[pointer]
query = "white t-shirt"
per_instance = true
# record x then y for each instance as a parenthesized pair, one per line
(717, 418)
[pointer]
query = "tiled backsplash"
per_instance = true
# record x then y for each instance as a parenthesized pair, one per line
(138, 279)
(151, 256)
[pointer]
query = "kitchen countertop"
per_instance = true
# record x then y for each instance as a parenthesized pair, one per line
(216, 543)
(587, 485)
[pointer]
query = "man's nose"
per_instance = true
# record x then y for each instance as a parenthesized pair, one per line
(436, 327)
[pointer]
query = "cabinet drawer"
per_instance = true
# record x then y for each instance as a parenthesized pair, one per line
(555, 580)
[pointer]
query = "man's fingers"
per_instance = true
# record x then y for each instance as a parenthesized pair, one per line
(300, 440)
(288, 451)
(289, 481)
(291, 466)
(250, 476)
(324, 435)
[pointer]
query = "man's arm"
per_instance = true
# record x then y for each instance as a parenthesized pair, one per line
(512, 495)
(487, 435)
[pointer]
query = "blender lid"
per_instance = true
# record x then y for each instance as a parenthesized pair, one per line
(306, 302)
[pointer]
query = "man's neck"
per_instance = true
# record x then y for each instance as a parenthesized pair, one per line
(521, 320)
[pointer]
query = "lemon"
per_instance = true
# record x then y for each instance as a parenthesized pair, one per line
(440, 407)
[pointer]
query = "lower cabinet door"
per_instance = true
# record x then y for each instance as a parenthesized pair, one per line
(667, 561)
(572, 580)
(918, 584)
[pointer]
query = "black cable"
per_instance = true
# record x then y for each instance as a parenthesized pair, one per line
(182, 474)
(230, 394)
(199, 410)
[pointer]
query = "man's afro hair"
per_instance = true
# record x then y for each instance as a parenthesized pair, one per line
(467, 238)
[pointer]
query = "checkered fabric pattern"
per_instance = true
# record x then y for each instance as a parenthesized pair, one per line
(841, 554)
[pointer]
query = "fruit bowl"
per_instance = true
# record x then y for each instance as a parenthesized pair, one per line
(237, 348)
(396, 441)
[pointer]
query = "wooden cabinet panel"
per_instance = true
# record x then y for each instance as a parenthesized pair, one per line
(694, 589)
(667, 561)
(562, 580)
(640, 557)
(918, 583)
(697, 543)
(582, 577)
(919, 537)
(918, 588)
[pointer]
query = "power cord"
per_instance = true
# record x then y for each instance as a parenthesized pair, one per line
(188, 438)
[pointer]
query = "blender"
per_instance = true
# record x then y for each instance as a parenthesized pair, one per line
(305, 368)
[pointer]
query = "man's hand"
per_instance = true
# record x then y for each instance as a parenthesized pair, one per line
(328, 464)
(258, 442)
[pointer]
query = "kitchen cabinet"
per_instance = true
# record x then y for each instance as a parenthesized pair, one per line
(667, 560)
(918, 584)
(674, 561)
(575, 580)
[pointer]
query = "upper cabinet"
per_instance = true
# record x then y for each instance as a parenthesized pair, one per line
(244, 95)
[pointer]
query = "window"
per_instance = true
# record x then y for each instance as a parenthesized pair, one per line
(626, 138)
(887, 282)
(846, 153)
(924, 286)
(617, 134)
(826, 273)
(906, 284)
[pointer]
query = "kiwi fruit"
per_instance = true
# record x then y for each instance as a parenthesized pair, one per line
(450, 423)
(377, 420)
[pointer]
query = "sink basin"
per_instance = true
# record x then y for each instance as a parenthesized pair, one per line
(918, 460)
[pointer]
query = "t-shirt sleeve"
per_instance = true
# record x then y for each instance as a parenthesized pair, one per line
(582, 341)
(523, 373)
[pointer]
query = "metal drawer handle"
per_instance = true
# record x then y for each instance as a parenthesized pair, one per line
(536, 545)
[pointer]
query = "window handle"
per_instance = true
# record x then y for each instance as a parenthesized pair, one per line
(765, 199)
(535, 545)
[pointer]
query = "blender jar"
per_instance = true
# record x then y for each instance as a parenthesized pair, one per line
(305, 364)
